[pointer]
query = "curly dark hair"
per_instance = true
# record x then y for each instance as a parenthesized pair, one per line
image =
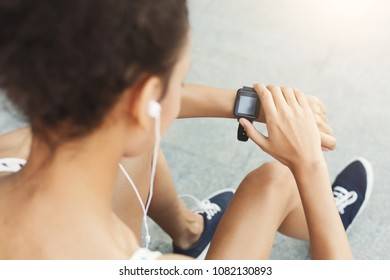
(64, 64)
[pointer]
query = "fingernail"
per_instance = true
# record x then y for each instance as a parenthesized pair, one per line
(242, 122)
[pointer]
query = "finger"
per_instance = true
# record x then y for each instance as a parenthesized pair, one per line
(323, 125)
(328, 142)
(253, 134)
(277, 95)
(301, 98)
(319, 103)
(289, 96)
(267, 102)
(321, 115)
(323, 108)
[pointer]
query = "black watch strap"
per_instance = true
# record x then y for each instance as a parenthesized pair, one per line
(250, 89)
(241, 134)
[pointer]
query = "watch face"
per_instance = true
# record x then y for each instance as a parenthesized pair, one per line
(247, 105)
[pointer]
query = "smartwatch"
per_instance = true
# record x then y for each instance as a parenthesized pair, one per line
(247, 105)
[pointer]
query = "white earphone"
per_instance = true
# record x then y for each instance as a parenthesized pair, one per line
(154, 111)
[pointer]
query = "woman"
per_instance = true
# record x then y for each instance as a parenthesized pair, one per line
(93, 68)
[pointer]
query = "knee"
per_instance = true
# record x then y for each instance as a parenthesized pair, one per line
(270, 177)
(271, 171)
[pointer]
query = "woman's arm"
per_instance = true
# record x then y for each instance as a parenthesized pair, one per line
(203, 101)
(293, 139)
(328, 239)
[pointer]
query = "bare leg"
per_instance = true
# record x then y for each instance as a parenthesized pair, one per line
(166, 209)
(169, 212)
(267, 200)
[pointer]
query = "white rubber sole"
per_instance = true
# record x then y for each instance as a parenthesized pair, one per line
(202, 255)
(370, 184)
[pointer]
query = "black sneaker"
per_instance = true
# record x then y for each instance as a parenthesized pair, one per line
(212, 210)
(352, 189)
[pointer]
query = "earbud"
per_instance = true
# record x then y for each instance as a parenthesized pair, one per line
(154, 109)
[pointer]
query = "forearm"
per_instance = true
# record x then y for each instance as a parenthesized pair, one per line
(328, 239)
(210, 102)
(203, 101)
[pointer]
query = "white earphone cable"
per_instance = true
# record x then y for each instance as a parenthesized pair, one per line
(145, 209)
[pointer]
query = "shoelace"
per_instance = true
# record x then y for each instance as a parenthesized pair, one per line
(205, 206)
(343, 198)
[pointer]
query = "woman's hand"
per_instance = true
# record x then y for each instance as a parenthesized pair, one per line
(328, 141)
(294, 139)
(293, 135)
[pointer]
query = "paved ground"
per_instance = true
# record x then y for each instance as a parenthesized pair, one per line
(338, 50)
